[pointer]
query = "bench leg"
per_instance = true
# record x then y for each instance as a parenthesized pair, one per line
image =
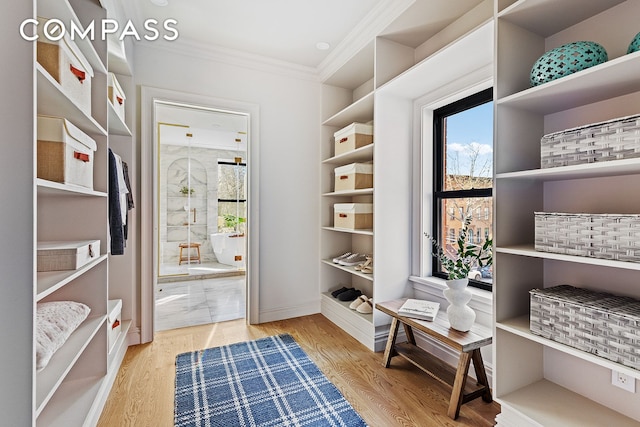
(481, 374)
(458, 385)
(408, 331)
(389, 350)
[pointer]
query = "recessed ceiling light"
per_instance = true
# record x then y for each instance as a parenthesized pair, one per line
(323, 45)
(160, 2)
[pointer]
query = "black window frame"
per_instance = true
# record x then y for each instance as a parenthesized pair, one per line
(439, 194)
(230, 163)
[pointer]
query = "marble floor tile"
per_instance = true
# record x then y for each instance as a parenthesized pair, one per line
(181, 319)
(205, 268)
(196, 302)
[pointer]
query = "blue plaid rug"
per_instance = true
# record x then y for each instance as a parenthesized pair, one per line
(266, 382)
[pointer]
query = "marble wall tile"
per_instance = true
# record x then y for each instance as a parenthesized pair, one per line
(175, 167)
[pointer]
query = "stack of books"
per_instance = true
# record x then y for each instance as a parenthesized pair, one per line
(420, 309)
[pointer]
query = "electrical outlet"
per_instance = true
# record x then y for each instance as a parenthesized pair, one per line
(624, 381)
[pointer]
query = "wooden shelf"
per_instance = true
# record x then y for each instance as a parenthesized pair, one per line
(367, 232)
(50, 281)
(348, 269)
(53, 102)
(529, 251)
(49, 379)
(551, 405)
(50, 188)
(520, 326)
(614, 78)
(78, 397)
(343, 306)
(547, 17)
(360, 111)
(116, 125)
(361, 154)
(590, 170)
(360, 192)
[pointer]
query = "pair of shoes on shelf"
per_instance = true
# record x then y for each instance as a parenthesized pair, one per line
(367, 266)
(353, 259)
(362, 304)
(337, 259)
(346, 294)
(339, 291)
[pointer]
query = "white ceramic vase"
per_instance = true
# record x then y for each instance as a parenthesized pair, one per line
(460, 315)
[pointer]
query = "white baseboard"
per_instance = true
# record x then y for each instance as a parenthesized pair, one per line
(289, 312)
(134, 337)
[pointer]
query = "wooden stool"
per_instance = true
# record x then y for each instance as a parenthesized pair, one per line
(189, 258)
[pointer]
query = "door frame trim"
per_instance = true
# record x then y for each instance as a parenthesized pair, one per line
(148, 181)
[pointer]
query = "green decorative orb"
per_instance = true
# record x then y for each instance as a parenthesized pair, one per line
(635, 44)
(567, 59)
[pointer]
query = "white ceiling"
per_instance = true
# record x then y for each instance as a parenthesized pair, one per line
(288, 30)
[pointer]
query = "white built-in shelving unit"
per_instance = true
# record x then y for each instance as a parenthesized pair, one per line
(537, 381)
(66, 212)
(379, 85)
(72, 389)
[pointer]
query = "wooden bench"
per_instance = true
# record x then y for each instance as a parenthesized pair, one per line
(464, 388)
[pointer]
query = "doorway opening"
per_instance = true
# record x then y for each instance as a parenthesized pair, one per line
(201, 215)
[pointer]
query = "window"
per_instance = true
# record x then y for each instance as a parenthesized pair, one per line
(231, 196)
(463, 171)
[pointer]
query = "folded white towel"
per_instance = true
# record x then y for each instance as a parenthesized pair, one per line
(55, 322)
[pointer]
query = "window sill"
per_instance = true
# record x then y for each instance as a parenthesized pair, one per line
(482, 300)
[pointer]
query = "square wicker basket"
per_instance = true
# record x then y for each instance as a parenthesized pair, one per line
(599, 323)
(607, 236)
(599, 142)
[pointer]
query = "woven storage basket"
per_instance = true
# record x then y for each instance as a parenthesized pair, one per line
(599, 142)
(599, 323)
(606, 236)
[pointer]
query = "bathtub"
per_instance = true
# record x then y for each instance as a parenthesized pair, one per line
(229, 248)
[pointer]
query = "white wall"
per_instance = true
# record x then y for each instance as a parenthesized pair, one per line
(289, 157)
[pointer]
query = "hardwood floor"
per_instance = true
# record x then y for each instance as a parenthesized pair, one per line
(402, 395)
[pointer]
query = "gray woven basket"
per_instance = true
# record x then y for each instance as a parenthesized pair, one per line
(599, 142)
(607, 236)
(599, 323)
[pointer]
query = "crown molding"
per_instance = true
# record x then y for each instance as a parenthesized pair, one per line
(232, 57)
(363, 33)
(221, 54)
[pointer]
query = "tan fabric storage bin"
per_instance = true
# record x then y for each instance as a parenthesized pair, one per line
(353, 216)
(67, 65)
(63, 255)
(354, 136)
(116, 95)
(65, 153)
(114, 322)
(355, 176)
